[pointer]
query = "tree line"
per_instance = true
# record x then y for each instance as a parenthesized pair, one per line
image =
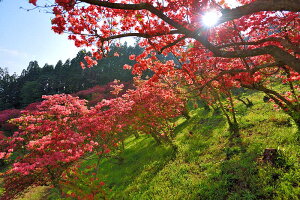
(68, 77)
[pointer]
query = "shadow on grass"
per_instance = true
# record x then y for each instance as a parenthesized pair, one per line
(200, 135)
(205, 123)
(236, 178)
(143, 159)
(245, 176)
(181, 127)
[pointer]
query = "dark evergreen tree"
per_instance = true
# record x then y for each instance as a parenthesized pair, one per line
(9, 90)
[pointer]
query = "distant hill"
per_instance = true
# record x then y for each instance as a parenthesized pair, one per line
(19, 91)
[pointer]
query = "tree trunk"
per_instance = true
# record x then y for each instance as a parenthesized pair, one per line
(206, 107)
(234, 129)
(185, 113)
(156, 138)
(137, 136)
(167, 139)
(123, 145)
(97, 166)
(250, 103)
(55, 183)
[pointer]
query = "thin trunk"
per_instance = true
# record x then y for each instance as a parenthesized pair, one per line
(123, 145)
(137, 136)
(223, 110)
(185, 113)
(232, 108)
(247, 104)
(55, 182)
(167, 139)
(98, 164)
(155, 137)
(235, 126)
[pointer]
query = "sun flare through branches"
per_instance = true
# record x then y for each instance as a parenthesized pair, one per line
(211, 18)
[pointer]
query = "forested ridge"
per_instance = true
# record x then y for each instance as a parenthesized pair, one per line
(65, 77)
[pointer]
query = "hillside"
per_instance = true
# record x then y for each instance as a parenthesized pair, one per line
(207, 163)
(204, 105)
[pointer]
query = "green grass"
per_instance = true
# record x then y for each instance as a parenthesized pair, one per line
(207, 164)
(1, 188)
(200, 170)
(36, 193)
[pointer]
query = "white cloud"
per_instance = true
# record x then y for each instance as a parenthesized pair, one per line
(12, 52)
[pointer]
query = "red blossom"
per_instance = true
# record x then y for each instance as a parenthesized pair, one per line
(33, 2)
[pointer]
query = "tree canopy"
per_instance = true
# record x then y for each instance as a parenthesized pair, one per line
(263, 33)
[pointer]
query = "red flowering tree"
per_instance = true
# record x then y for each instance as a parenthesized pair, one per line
(61, 130)
(32, 106)
(49, 140)
(271, 28)
(153, 106)
(95, 94)
(5, 116)
(148, 109)
(104, 125)
(3, 148)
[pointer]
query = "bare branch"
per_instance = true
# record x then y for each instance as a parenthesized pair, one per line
(272, 92)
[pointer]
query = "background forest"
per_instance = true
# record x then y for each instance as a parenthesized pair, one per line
(68, 77)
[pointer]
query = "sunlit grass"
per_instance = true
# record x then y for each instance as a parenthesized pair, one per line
(36, 193)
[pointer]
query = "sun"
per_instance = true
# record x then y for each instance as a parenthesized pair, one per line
(211, 18)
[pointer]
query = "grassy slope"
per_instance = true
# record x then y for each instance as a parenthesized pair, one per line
(200, 170)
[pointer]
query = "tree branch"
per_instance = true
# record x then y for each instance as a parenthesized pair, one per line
(139, 6)
(172, 44)
(236, 71)
(142, 35)
(272, 92)
(259, 6)
(283, 42)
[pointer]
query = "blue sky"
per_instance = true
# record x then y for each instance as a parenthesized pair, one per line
(27, 36)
